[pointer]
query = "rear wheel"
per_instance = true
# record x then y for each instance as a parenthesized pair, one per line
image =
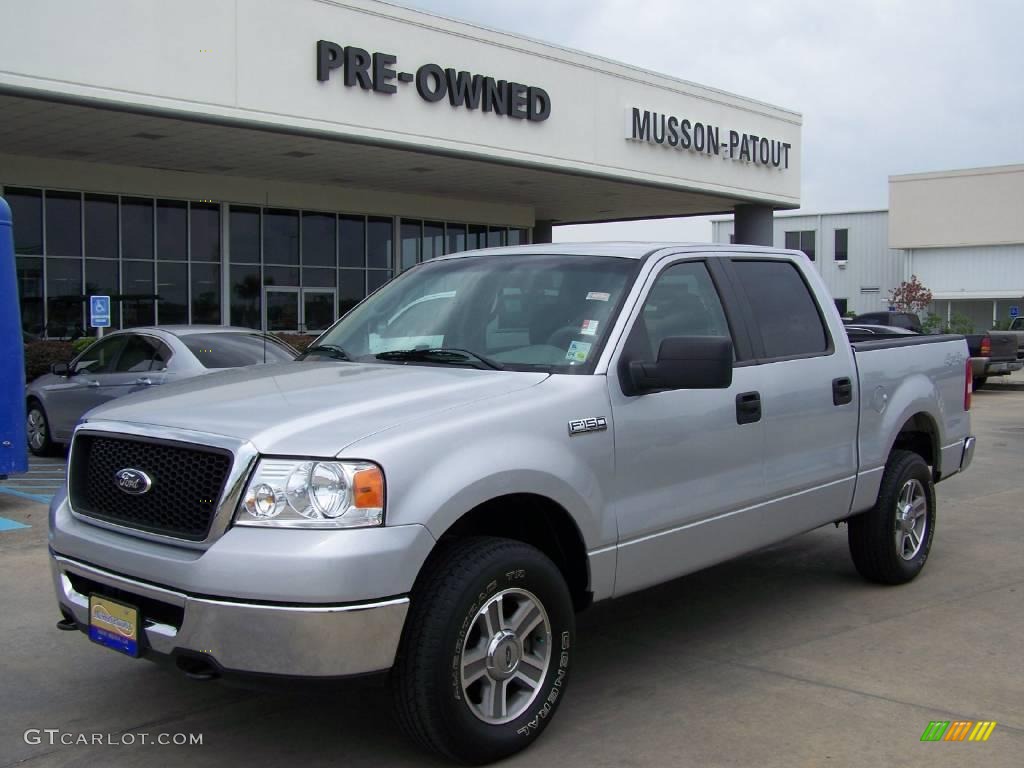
(37, 430)
(484, 657)
(890, 542)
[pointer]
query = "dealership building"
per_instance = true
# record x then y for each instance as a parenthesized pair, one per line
(267, 163)
(960, 232)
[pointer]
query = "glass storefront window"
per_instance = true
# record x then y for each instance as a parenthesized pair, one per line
(318, 231)
(101, 227)
(281, 276)
(351, 289)
(27, 215)
(517, 237)
(495, 237)
(30, 292)
(477, 237)
(101, 278)
(375, 278)
(204, 231)
(352, 241)
(171, 230)
(412, 231)
(63, 224)
(206, 294)
(137, 229)
(244, 227)
(172, 288)
(280, 237)
(318, 277)
(64, 297)
(137, 288)
(433, 239)
(379, 236)
(456, 238)
(245, 296)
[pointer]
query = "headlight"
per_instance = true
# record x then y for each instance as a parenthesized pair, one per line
(306, 493)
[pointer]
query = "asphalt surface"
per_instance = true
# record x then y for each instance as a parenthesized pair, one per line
(782, 658)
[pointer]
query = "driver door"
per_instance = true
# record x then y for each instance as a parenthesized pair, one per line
(75, 394)
(687, 473)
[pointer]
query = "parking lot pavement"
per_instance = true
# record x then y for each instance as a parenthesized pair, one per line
(44, 477)
(782, 658)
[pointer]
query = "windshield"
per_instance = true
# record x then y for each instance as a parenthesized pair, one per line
(523, 312)
(233, 350)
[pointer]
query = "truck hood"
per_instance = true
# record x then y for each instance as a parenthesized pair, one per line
(311, 408)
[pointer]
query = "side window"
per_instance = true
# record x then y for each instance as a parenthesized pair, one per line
(99, 358)
(137, 356)
(682, 302)
(784, 311)
(161, 355)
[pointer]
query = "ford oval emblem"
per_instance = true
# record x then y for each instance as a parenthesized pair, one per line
(133, 481)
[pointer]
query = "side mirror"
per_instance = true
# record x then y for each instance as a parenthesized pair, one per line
(61, 369)
(684, 362)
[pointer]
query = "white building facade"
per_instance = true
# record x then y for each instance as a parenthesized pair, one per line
(960, 232)
(268, 163)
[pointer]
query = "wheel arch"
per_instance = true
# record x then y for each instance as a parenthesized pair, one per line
(920, 434)
(533, 519)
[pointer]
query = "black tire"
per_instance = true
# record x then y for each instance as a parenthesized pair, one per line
(47, 447)
(978, 382)
(872, 534)
(426, 680)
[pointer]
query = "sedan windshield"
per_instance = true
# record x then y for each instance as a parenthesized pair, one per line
(521, 312)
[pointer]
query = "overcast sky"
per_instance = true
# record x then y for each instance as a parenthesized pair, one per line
(884, 86)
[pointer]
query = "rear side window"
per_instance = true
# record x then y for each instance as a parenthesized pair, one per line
(783, 309)
(233, 350)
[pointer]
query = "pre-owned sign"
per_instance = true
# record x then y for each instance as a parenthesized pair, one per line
(378, 72)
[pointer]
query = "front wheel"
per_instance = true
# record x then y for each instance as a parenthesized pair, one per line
(890, 542)
(484, 657)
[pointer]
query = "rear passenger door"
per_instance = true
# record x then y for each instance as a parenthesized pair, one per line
(807, 386)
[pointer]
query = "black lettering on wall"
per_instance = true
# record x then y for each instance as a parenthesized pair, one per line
(673, 131)
(518, 106)
(357, 67)
(641, 125)
(431, 84)
(495, 96)
(464, 89)
(382, 72)
(659, 120)
(540, 104)
(684, 134)
(328, 57)
(713, 143)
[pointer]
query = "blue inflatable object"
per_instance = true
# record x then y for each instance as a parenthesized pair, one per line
(13, 445)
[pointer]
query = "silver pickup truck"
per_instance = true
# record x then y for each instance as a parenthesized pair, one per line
(481, 449)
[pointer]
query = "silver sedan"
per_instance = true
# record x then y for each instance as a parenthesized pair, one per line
(128, 361)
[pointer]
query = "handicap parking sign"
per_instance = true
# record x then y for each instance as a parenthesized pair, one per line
(99, 311)
(1014, 311)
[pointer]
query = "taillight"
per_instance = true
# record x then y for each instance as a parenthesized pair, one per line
(968, 385)
(986, 346)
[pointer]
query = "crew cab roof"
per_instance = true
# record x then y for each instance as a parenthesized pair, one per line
(623, 249)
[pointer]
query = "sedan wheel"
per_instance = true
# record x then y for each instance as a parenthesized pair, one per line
(37, 430)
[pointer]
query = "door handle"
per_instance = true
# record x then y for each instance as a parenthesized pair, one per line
(145, 380)
(842, 391)
(748, 407)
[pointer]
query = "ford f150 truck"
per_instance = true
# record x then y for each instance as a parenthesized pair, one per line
(993, 353)
(483, 447)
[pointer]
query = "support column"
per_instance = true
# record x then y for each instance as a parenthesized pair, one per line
(754, 225)
(541, 232)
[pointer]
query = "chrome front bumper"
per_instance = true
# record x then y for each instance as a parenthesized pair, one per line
(236, 636)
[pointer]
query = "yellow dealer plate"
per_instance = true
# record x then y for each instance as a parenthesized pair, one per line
(114, 624)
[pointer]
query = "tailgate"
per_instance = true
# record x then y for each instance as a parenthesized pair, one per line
(1004, 346)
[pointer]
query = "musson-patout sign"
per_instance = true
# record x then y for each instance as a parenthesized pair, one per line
(686, 135)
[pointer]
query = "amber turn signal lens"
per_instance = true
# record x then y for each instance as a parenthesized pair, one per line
(368, 489)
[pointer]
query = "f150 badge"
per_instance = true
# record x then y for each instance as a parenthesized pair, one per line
(593, 424)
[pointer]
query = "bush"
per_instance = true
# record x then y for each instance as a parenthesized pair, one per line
(40, 354)
(81, 343)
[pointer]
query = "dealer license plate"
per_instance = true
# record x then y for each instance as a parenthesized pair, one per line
(114, 624)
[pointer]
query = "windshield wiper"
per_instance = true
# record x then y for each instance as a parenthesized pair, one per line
(443, 355)
(332, 350)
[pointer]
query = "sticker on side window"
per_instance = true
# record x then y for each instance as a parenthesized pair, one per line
(578, 351)
(598, 296)
(589, 328)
